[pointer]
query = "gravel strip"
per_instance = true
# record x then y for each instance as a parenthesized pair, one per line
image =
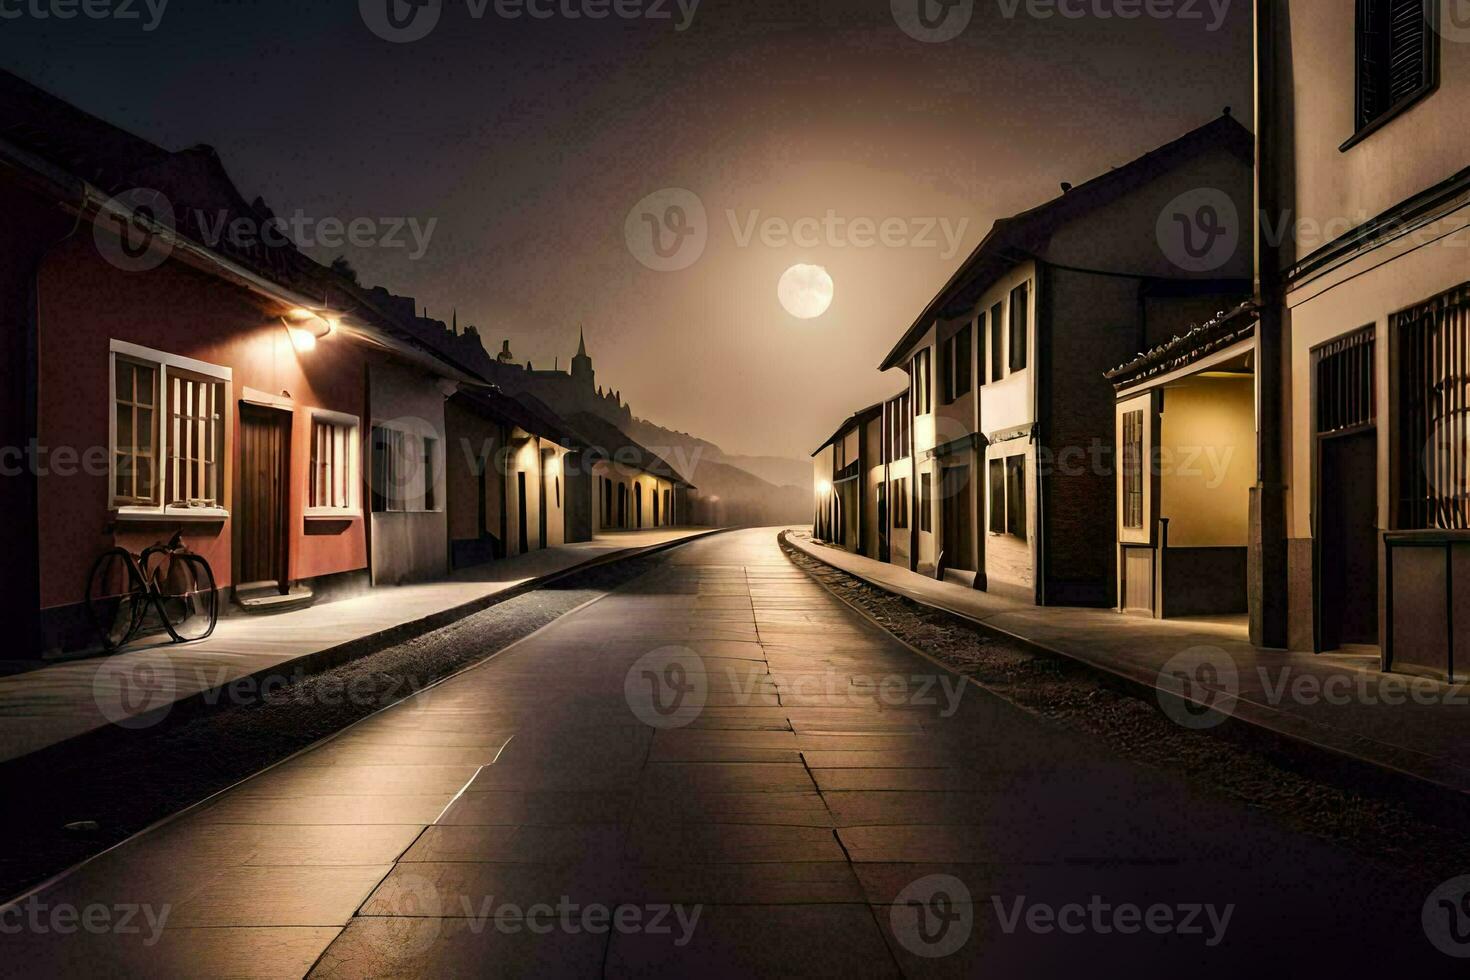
(1381, 818)
(123, 780)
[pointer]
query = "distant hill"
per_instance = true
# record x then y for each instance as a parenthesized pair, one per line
(728, 495)
(750, 489)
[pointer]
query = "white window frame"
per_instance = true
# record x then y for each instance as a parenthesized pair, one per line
(353, 425)
(164, 362)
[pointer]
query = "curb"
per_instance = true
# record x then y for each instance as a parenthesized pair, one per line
(1246, 726)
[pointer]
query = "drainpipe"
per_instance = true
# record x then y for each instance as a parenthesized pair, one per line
(1267, 580)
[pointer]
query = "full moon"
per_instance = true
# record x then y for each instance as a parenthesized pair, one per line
(805, 291)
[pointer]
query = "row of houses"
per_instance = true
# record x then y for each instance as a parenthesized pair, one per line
(298, 429)
(1231, 377)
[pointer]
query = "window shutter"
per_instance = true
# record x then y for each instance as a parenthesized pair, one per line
(1406, 44)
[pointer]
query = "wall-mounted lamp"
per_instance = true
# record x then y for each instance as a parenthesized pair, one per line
(824, 488)
(305, 327)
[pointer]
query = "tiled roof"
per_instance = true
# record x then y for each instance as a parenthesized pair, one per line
(607, 438)
(1012, 239)
(1216, 333)
(197, 187)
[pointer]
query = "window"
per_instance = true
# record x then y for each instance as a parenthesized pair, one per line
(962, 362)
(1133, 469)
(1344, 380)
(997, 496)
(168, 432)
(1016, 496)
(333, 486)
(135, 397)
(1397, 58)
(997, 333)
(954, 365)
(901, 503)
(898, 428)
(946, 370)
(405, 471)
(926, 502)
(429, 469)
(920, 372)
(1434, 406)
(1019, 297)
(558, 491)
(1008, 496)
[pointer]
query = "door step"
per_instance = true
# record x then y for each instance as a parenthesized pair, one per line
(268, 599)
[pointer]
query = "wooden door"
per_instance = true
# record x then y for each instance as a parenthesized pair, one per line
(264, 497)
(959, 533)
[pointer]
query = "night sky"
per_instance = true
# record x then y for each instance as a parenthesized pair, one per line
(527, 142)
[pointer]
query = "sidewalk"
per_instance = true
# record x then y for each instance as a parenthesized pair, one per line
(1340, 702)
(52, 704)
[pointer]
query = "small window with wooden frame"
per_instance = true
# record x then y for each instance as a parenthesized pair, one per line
(334, 476)
(1133, 469)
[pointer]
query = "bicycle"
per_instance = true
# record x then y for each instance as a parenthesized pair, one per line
(168, 580)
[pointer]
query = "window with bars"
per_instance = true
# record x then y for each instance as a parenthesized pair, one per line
(168, 432)
(196, 441)
(1396, 56)
(1433, 438)
(1343, 373)
(333, 465)
(1133, 469)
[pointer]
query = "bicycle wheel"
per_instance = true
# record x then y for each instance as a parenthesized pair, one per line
(117, 599)
(188, 598)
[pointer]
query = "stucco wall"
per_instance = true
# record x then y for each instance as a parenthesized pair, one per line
(84, 304)
(1336, 190)
(410, 546)
(1208, 462)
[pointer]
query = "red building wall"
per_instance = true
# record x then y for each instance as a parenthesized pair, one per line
(84, 304)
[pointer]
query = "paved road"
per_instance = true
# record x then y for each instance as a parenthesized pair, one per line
(716, 770)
